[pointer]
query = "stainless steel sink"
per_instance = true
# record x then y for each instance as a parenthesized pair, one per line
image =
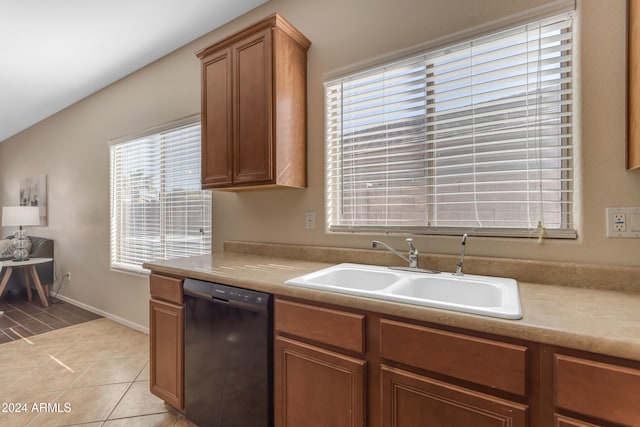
(483, 295)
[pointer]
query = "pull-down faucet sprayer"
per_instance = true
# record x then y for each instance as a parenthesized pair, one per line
(460, 263)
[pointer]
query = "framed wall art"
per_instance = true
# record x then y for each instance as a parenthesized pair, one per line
(33, 192)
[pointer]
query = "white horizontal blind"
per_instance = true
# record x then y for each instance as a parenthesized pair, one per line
(475, 136)
(158, 210)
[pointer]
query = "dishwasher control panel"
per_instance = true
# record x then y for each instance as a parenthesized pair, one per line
(225, 293)
(238, 294)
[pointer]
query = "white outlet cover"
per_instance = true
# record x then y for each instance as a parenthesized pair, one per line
(634, 222)
(619, 222)
(310, 220)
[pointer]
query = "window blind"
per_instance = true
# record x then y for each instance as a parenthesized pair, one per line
(474, 136)
(158, 210)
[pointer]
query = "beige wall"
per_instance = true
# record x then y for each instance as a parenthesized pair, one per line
(72, 146)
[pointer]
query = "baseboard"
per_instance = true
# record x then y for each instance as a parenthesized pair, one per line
(109, 316)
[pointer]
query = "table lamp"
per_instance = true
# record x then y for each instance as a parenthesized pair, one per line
(20, 216)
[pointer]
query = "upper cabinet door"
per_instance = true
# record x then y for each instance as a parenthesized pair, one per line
(633, 74)
(253, 145)
(217, 119)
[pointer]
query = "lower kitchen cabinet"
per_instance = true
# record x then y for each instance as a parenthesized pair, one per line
(166, 340)
(337, 367)
(596, 389)
(562, 421)
(342, 367)
(417, 399)
(317, 387)
(320, 374)
(410, 400)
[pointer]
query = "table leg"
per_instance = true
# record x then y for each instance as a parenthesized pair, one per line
(5, 279)
(36, 281)
(25, 274)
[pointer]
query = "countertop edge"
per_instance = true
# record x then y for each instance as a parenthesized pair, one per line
(547, 319)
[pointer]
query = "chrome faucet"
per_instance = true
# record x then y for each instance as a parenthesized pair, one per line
(412, 259)
(459, 265)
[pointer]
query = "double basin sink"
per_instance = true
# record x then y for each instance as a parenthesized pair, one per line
(483, 295)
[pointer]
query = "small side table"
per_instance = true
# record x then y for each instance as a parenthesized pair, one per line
(30, 265)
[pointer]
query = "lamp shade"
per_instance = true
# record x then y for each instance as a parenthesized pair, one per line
(20, 215)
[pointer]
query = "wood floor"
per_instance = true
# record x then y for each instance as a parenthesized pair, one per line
(24, 319)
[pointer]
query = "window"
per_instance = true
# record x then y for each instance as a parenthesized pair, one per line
(158, 210)
(475, 137)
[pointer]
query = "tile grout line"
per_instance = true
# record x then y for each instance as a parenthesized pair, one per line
(123, 395)
(70, 387)
(79, 337)
(118, 402)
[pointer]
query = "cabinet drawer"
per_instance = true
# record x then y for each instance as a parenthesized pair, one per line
(561, 421)
(597, 389)
(482, 361)
(165, 288)
(333, 327)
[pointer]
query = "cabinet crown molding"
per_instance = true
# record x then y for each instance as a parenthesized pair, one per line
(275, 20)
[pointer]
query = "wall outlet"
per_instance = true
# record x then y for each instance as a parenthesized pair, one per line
(619, 222)
(623, 222)
(310, 220)
(68, 275)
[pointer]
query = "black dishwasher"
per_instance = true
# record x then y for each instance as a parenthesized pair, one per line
(228, 355)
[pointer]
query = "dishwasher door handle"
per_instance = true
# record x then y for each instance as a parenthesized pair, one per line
(219, 300)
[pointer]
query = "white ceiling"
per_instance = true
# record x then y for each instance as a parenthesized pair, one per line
(56, 52)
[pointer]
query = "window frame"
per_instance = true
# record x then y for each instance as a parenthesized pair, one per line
(558, 8)
(117, 261)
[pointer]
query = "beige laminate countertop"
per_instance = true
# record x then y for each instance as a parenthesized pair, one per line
(600, 321)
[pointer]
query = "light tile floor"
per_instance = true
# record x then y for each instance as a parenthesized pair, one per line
(92, 374)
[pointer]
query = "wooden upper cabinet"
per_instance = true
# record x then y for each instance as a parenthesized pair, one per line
(254, 108)
(633, 74)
